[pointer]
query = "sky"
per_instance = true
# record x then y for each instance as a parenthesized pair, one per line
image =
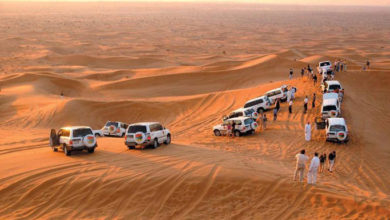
(300, 2)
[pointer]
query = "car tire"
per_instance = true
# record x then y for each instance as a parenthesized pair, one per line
(155, 143)
(131, 147)
(217, 133)
(168, 141)
(237, 133)
(54, 149)
(66, 151)
(252, 132)
(91, 150)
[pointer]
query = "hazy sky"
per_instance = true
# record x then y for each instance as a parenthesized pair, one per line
(303, 2)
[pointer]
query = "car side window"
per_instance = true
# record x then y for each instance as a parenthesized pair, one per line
(159, 127)
(152, 127)
(239, 114)
(238, 122)
(65, 133)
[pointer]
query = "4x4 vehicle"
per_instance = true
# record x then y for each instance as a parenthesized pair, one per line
(330, 108)
(146, 134)
(332, 86)
(114, 128)
(324, 66)
(259, 104)
(76, 138)
(243, 125)
(336, 129)
(275, 94)
(248, 112)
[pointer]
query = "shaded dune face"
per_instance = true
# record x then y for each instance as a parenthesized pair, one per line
(186, 66)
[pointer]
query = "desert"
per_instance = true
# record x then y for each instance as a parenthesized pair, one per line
(187, 65)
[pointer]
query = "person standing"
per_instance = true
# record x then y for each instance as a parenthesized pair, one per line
(305, 101)
(368, 64)
(301, 164)
(315, 79)
(313, 169)
(302, 72)
(322, 162)
(233, 128)
(293, 91)
(332, 160)
(288, 95)
(264, 124)
(275, 114)
(313, 103)
(291, 73)
(277, 104)
(308, 131)
(290, 106)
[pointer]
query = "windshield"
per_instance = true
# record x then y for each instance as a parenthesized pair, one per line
(325, 64)
(111, 123)
(337, 128)
(248, 121)
(328, 108)
(82, 132)
(137, 128)
(249, 112)
(334, 87)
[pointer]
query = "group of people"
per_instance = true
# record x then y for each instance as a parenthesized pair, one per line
(339, 66)
(317, 164)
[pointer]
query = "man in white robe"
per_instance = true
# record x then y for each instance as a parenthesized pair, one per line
(308, 131)
(288, 96)
(313, 169)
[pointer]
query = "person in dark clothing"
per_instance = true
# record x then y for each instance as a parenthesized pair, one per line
(277, 105)
(233, 128)
(290, 106)
(368, 64)
(291, 73)
(302, 72)
(305, 101)
(275, 114)
(322, 162)
(313, 103)
(315, 79)
(332, 159)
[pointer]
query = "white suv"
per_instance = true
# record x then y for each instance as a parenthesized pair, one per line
(324, 66)
(248, 112)
(276, 94)
(76, 138)
(145, 134)
(330, 108)
(259, 104)
(243, 125)
(336, 129)
(332, 86)
(114, 128)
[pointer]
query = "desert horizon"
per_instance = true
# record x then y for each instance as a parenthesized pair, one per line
(113, 67)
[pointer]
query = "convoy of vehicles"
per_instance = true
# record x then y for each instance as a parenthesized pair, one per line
(78, 138)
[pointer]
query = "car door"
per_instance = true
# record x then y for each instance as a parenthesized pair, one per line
(161, 133)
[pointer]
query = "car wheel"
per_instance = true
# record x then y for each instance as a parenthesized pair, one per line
(168, 141)
(91, 150)
(252, 132)
(217, 133)
(155, 143)
(237, 133)
(54, 149)
(66, 151)
(131, 147)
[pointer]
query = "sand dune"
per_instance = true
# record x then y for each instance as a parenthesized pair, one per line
(187, 66)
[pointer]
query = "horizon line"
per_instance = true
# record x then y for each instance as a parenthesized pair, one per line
(200, 1)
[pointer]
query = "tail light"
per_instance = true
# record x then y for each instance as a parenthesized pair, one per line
(126, 137)
(118, 130)
(148, 137)
(70, 142)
